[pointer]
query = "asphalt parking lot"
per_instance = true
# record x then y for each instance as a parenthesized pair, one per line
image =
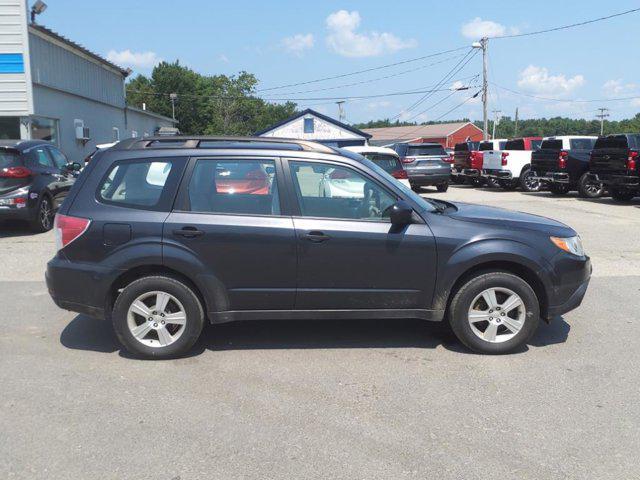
(358, 399)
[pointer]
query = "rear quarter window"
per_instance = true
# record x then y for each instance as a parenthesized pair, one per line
(139, 184)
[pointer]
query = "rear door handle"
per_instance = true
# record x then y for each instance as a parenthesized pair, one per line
(315, 236)
(188, 232)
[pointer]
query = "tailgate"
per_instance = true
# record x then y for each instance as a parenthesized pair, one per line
(545, 160)
(462, 159)
(609, 160)
(492, 160)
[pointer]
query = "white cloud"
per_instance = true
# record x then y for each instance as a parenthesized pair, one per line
(478, 28)
(615, 88)
(537, 80)
(298, 43)
(127, 58)
(380, 104)
(223, 58)
(344, 40)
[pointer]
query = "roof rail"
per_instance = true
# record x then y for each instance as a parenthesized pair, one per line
(194, 142)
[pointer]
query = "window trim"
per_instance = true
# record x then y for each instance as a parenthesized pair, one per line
(183, 202)
(166, 199)
(292, 198)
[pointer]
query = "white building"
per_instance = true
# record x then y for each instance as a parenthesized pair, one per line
(312, 125)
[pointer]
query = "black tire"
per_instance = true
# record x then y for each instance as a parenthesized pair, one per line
(461, 303)
(416, 188)
(559, 188)
(185, 295)
(43, 218)
(457, 179)
(443, 187)
(475, 181)
(527, 183)
(508, 184)
(622, 195)
(589, 189)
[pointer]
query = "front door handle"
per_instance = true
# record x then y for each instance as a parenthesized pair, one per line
(315, 236)
(188, 232)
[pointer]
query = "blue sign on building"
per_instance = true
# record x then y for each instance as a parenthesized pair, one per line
(11, 63)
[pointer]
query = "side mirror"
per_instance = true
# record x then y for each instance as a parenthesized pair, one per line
(75, 167)
(401, 213)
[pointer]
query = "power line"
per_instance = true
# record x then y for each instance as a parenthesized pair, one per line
(565, 100)
(564, 27)
(370, 80)
(365, 70)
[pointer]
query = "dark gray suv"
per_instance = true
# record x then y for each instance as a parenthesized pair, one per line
(161, 235)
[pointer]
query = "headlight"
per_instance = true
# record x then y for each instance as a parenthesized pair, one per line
(570, 245)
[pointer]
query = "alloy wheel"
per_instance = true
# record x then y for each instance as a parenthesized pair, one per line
(45, 214)
(156, 319)
(531, 184)
(497, 315)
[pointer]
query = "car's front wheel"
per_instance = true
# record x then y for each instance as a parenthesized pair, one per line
(443, 187)
(158, 317)
(494, 313)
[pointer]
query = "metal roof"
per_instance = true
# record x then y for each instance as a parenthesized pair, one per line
(48, 32)
(413, 132)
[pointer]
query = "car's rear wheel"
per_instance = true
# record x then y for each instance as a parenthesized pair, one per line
(588, 188)
(559, 188)
(494, 313)
(621, 195)
(443, 187)
(158, 317)
(528, 183)
(43, 219)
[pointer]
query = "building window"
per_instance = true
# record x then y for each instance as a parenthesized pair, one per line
(116, 134)
(134, 134)
(9, 128)
(44, 129)
(308, 125)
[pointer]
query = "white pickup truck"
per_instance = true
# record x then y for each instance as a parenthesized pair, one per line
(511, 167)
(491, 147)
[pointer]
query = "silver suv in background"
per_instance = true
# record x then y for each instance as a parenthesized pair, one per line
(426, 164)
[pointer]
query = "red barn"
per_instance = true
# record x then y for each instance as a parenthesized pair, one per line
(446, 134)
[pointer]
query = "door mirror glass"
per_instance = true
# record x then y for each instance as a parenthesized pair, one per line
(73, 167)
(401, 213)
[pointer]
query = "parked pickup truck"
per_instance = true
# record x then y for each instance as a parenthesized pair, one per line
(562, 164)
(511, 167)
(615, 162)
(491, 147)
(467, 163)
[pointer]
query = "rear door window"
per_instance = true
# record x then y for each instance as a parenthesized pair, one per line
(241, 187)
(514, 144)
(389, 163)
(135, 184)
(581, 143)
(415, 151)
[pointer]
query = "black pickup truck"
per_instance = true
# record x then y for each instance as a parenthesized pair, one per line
(562, 164)
(615, 162)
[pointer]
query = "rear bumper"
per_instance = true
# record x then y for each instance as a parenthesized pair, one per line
(498, 174)
(67, 284)
(425, 179)
(552, 177)
(625, 181)
(13, 213)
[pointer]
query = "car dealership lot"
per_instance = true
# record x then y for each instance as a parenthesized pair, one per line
(348, 399)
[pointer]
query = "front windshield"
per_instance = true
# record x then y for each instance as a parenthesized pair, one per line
(424, 203)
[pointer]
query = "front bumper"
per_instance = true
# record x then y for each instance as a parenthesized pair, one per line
(571, 280)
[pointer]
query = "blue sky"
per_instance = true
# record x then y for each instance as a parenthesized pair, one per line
(285, 42)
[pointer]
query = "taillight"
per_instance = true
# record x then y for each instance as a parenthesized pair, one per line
(631, 161)
(400, 174)
(451, 158)
(15, 172)
(504, 158)
(68, 229)
(477, 160)
(562, 159)
(408, 159)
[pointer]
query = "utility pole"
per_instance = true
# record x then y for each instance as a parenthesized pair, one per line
(173, 97)
(340, 104)
(483, 44)
(496, 119)
(515, 134)
(604, 113)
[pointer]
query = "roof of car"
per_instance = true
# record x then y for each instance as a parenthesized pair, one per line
(569, 137)
(362, 149)
(22, 145)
